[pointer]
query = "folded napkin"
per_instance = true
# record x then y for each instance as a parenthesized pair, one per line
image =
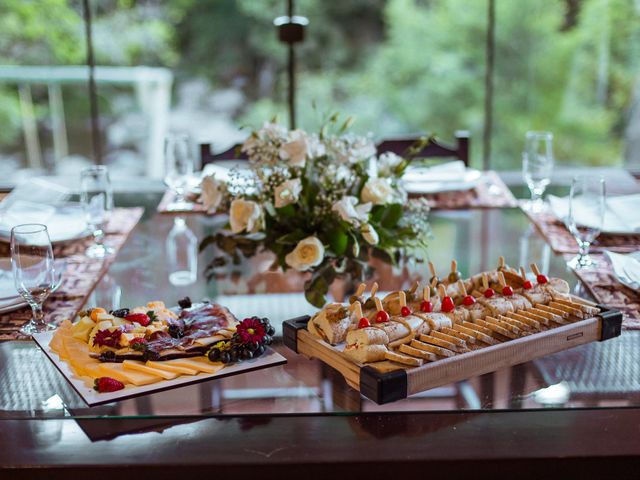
(449, 176)
(626, 268)
(622, 213)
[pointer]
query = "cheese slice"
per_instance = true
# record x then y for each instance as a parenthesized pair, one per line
(169, 367)
(202, 364)
(117, 371)
(141, 367)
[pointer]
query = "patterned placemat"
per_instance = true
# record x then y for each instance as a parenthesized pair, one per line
(491, 192)
(561, 240)
(604, 286)
(80, 276)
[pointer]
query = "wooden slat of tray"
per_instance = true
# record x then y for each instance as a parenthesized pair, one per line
(506, 354)
(316, 348)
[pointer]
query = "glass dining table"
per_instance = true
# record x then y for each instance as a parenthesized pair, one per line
(578, 404)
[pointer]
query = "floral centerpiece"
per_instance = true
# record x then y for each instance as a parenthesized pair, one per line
(322, 203)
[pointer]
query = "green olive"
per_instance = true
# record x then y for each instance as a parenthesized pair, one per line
(454, 277)
(356, 298)
(409, 295)
(370, 303)
(433, 291)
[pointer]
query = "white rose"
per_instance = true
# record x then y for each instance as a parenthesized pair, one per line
(361, 150)
(287, 192)
(308, 253)
(212, 193)
(369, 233)
(387, 162)
(377, 191)
(349, 210)
(295, 150)
(245, 215)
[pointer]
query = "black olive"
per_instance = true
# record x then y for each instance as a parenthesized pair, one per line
(185, 303)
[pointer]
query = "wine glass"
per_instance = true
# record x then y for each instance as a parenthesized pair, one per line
(537, 166)
(33, 271)
(179, 166)
(97, 198)
(586, 216)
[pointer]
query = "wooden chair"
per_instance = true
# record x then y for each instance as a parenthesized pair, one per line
(232, 153)
(434, 148)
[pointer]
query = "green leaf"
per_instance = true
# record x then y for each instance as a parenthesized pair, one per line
(338, 240)
(376, 213)
(286, 211)
(291, 238)
(391, 215)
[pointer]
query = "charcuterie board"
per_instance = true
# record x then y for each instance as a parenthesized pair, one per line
(422, 360)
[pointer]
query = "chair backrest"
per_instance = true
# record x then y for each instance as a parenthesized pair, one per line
(434, 148)
(232, 153)
(399, 146)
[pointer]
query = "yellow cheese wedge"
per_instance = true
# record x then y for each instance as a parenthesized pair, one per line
(202, 364)
(141, 367)
(56, 343)
(117, 371)
(169, 367)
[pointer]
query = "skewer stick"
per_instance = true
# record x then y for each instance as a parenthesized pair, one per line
(414, 288)
(501, 280)
(462, 288)
(426, 293)
(402, 298)
(434, 282)
(432, 269)
(523, 274)
(485, 281)
(357, 309)
(361, 288)
(501, 262)
(374, 290)
(454, 266)
(535, 269)
(378, 304)
(442, 291)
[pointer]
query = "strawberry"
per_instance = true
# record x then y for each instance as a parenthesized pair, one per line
(364, 322)
(542, 279)
(468, 300)
(488, 293)
(138, 344)
(405, 311)
(107, 384)
(382, 317)
(426, 306)
(527, 285)
(141, 318)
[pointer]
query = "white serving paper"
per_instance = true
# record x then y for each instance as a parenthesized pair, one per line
(622, 213)
(92, 398)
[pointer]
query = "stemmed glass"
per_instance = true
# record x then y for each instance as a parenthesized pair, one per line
(179, 166)
(97, 198)
(33, 271)
(537, 166)
(586, 216)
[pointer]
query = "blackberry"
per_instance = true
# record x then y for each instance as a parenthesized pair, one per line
(185, 303)
(150, 355)
(175, 331)
(120, 313)
(107, 356)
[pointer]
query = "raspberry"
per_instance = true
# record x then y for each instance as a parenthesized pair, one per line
(527, 285)
(382, 317)
(507, 291)
(405, 311)
(107, 384)
(488, 293)
(542, 279)
(447, 305)
(141, 318)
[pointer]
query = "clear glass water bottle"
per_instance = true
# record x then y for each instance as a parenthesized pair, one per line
(182, 254)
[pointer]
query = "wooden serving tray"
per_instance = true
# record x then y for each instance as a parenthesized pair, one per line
(385, 387)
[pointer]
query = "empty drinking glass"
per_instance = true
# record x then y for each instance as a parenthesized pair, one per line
(97, 198)
(33, 271)
(182, 254)
(537, 166)
(179, 166)
(586, 215)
